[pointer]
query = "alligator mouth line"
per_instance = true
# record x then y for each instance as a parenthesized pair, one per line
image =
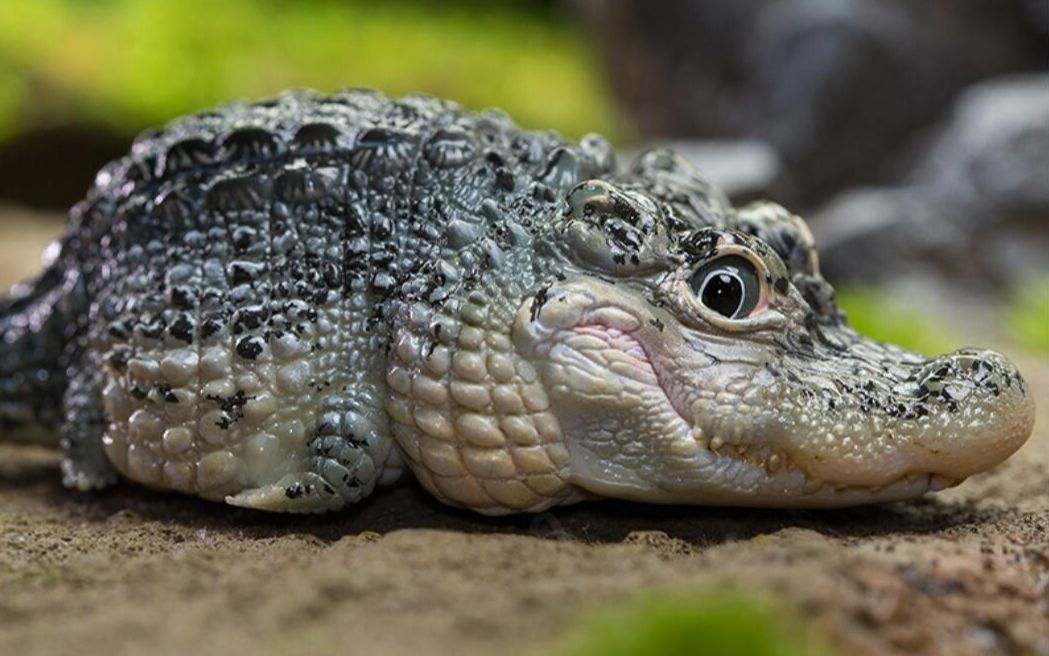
(772, 462)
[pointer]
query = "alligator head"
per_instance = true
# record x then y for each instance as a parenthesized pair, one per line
(693, 353)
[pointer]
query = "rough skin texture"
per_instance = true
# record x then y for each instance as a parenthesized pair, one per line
(285, 304)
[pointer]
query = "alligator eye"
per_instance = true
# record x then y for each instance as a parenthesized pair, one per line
(728, 286)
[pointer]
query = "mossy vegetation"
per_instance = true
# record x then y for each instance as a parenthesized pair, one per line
(1027, 316)
(127, 64)
(873, 314)
(675, 623)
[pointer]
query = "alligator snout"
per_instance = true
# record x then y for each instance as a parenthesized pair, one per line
(888, 414)
(978, 412)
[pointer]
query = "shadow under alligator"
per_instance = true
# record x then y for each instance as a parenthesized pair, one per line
(408, 506)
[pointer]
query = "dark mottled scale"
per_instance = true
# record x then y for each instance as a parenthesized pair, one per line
(449, 148)
(175, 206)
(211, 246)
(246, 238)
(187, 154)
(299, 186)
(183, 328)
(562, 169)
(249, 347)
(182, 296)
(244, 271)
(383, 151)
(248, 192)
(316, 138)
(250, 318)
(287, 263)
(249, 277)
(249, 143)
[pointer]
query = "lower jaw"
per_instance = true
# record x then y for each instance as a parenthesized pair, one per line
(811, 494)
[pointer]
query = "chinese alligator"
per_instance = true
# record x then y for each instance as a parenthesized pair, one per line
(286, 304)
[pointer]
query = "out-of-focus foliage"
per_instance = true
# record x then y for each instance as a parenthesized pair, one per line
(675, 624)
(126, 64)
(1028, 316)
(874, 314)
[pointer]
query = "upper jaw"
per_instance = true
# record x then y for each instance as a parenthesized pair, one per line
(937, 422)
(873, 413)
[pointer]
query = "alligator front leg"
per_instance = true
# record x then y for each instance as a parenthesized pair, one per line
(348, 448)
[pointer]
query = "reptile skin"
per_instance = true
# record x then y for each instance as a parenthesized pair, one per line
(286, 304)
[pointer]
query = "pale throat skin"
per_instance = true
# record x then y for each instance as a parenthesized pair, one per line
(286, 305)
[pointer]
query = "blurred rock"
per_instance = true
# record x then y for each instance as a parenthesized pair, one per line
(994, 154)
(745, 170)
(975, 207)
(837, 87)
(26, 233)
(1038, 14)
(52, 168)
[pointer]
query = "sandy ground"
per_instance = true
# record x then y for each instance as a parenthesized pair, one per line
(125, 571)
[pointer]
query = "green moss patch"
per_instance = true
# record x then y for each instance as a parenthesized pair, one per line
(874, 314)
(688, 623)
(1027, 316)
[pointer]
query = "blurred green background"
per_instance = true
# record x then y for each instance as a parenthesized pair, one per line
(126, 64)
(81, 78)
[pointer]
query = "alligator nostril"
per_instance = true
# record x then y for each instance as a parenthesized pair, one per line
(959, 374)
(937, 373)
(980, 370)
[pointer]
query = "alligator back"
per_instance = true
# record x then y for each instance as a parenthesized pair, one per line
(244, 269)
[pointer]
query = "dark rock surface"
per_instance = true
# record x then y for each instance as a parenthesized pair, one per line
(839, 88)
(975, 207)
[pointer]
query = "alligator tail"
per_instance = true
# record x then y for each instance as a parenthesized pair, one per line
(35, 324)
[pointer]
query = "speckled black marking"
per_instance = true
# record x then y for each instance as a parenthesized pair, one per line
(182, 328)
(118, 359)
(294, 491)
(538, 301)
(232, 407)
(244, 271)
(701, 245)
(249, 348)
(210, 327)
